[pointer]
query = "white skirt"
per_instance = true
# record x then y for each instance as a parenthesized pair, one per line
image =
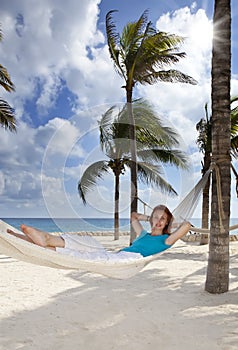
(88, 248)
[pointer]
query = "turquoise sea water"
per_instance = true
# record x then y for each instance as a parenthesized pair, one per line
(69, 225)
(84, 225)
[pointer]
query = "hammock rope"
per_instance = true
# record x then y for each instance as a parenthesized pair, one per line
(207, 230)
(187, 206)
(215, 167)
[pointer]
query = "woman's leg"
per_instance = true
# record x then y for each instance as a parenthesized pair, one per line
(41, 238)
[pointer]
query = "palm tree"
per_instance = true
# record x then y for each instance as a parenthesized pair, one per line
(204, 142)
(205, 146)
(154, 143)
(234, 128)
(217, 279)
(7, 118)
(140, 55)
(234, 138)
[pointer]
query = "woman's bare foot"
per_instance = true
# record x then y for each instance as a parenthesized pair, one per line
(38, 237)
(19, 235)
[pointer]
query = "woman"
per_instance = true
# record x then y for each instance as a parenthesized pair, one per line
(147, 243)
(160, 237)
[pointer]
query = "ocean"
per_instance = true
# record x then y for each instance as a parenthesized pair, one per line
(69, 225)
(85, 224)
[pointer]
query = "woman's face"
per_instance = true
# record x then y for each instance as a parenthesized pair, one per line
(159, 221)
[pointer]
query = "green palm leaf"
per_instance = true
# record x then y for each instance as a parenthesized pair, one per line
(113, 40)
(90, 177)
(172, 157)
(7, 118)
(149, 127)
(5, 80)
(234, 146)
(151, 175)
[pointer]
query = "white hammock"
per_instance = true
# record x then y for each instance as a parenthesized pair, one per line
(25, 251)
(122, 269)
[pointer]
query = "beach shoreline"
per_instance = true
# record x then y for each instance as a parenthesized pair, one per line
(190, 237)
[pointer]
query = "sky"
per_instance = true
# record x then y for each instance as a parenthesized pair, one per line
(57, 56)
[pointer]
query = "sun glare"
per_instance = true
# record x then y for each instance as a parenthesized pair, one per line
(201, 34)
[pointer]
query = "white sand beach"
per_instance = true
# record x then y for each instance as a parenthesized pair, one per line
(162, 307)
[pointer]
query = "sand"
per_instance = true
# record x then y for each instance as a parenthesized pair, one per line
(162, 307)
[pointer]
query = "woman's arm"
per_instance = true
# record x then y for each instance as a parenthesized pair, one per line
(179, 233)
(135, 221)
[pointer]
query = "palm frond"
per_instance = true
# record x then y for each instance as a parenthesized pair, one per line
(131, 38)
(234, 128)
(234, 99)
(151, 175)
(7, 117)
(149, 54)
(91, 175)
(105, 126)
(204, 139)
(157, 50)
(169, 76)
(5, 80)
(114, 136)
(234, 146)
(234, 121)
(149, 127)
(113, 41)
(176, 158)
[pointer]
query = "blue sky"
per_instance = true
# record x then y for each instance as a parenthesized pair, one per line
(56, 54)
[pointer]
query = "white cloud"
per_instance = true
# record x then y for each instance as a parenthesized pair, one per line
(21, 158)
(50, 44)
(59, 136)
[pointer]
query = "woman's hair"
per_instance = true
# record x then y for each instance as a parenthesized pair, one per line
(169, 215)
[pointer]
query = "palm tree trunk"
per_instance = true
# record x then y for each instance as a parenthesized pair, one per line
(134, 188)
(116, 209)
(217, 280)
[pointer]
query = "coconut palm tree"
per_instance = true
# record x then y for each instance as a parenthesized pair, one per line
(155, 144)
(217, 279)
(7, 118)
(141, 55)
(204, 142)
(234, 127)
(205, 146)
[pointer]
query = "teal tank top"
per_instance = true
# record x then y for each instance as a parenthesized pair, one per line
(147, 245)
